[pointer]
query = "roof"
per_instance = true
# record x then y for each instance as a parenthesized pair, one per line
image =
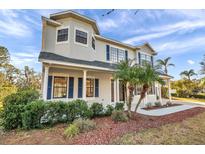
(55, 57)
(69, 13)
(149, 46)
(99, 37)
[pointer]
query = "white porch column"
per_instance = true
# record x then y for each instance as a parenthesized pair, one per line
(84, 83)
(169, 90)
(115, 90)
(45, 82)
(160, 92)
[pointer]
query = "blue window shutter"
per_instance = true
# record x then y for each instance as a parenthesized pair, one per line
(80, 87)
(152, 61)
(49, 90)
(107, 52)
(139, 58)
(71, 85)
(126, 55)
(96, 87)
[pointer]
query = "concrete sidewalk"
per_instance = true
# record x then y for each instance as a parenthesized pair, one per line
(165, 111)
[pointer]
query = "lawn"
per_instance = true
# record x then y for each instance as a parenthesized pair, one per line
(108, 131)
(189, 99)
(190, 131)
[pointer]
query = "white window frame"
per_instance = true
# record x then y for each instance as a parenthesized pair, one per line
(117, 48)
(83, 30)
(59, 28)
(141, 52)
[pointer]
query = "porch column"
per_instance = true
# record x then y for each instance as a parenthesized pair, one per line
(169, 90)
(45, 82)
(160, 92)
(84, 83)
(115, 90)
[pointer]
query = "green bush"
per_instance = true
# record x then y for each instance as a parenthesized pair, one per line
(55, 113)
(97, 109)
(13, 107)
(149, 105)
(158, 104)
(71, 131)
(78, 109)
(84, 125)
(119, 106)
(109, 109)
(31, 117)
(119, 115)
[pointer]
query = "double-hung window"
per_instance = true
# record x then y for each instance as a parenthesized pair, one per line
(145, 59)
(89, 87)
(81, 37)
(60, 87)
(62, 35)
(116, 55)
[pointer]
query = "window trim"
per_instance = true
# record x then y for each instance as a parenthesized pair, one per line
(67, 86)
(141, 52)
(83, 30)
(117, 50)
(59, 28)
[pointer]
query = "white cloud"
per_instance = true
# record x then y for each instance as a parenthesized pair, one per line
(165, 30)
(191, 62)
(11, 25)
(178, 47)
(107, 24)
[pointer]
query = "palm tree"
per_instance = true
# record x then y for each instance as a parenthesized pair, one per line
(203, 66)
(147, 77)
(127, 73)
(164, 64)
(188, 74)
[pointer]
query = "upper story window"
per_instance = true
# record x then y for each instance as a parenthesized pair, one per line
(62, 35)
(116, 55)
(145, 59)
(81, 37)
(93, 43)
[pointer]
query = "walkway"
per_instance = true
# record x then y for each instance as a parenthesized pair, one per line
(165, 111)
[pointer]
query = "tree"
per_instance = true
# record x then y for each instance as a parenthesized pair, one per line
(147, 76)
(163, 64)
(128, 72)
(203, 66)
(29, 79)
(188, 74)
(4, 56)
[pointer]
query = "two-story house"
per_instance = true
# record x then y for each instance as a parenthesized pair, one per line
(79, 63)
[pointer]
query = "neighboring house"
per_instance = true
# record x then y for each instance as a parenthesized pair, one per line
(79, 63)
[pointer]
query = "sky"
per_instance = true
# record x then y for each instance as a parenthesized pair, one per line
(179, 34)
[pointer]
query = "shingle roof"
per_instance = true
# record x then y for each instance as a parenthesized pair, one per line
(55, 57)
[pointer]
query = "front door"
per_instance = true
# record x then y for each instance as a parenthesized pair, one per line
(121, 91)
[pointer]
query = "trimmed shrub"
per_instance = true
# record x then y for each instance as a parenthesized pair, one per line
(84, 125)
(31, 117)
(71, 131)
(97, 109)
(149, 105)
(13, 107)
(119, 106)
(109, 109)
(118, 115)
(158, 104)
(55, 112)
(78, 109)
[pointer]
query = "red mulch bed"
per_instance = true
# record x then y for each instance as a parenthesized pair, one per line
(106, 131)
(160, 107)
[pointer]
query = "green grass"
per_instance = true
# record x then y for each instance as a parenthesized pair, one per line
(189, 99)
(190, 131)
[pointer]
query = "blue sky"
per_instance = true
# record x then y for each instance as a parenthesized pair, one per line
(176, 33)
